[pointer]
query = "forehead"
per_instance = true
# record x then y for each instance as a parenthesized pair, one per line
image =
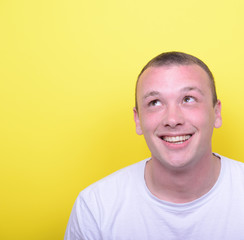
(173, 77)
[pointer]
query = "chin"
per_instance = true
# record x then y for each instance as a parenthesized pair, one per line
(176, 163)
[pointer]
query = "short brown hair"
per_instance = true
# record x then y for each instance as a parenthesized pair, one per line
(178, 58)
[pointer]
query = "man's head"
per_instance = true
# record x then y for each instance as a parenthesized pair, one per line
(178, 58)
(177, 109)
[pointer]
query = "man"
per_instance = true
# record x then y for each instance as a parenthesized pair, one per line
(184, 191)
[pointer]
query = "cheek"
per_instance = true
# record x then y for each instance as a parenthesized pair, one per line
(149, 122)
(203, 118)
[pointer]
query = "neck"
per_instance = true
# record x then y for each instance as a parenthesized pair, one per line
(185, 185)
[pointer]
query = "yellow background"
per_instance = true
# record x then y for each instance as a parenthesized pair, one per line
(67, 76)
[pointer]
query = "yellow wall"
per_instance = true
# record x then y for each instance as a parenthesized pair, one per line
(67, 75)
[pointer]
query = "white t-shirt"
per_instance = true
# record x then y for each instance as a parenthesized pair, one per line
(120, 207)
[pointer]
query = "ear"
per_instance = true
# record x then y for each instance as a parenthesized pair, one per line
(218, 118)
(137, 121)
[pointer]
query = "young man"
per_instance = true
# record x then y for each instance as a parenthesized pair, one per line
(184, 191)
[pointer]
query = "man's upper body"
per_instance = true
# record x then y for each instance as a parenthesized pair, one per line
(176, 111)
(121, 207)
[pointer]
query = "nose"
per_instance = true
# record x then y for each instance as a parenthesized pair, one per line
(173, 116)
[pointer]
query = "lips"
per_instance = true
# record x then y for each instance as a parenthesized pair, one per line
(176, 139)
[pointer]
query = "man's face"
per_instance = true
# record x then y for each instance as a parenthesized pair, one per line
(176, 114)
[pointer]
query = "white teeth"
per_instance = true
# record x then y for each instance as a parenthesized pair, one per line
(176, 139)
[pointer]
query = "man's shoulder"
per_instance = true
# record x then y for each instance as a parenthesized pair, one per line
(116, 182)
(231, 162)
(234, 167)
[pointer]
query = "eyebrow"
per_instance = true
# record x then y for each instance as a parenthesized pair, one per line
(188, 89)
(151, 94)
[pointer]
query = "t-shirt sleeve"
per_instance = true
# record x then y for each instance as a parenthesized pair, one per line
(82, 224)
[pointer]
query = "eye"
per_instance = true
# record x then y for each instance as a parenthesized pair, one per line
(189, 99)
(154, 103)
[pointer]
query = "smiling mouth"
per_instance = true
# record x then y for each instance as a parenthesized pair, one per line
(176, 139)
